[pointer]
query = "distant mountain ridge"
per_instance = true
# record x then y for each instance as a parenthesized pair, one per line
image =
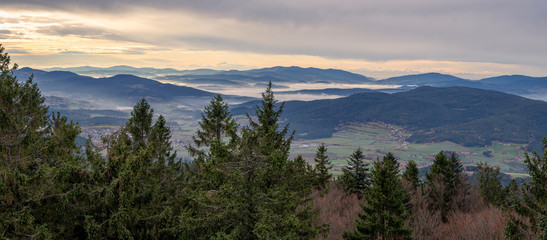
(114, 91)
(463, 115)
(533, 87)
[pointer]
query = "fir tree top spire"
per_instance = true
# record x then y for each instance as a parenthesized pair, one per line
(267, 124)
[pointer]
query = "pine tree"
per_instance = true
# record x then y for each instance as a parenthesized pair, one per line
(385, 211)
(490, 184)
(411, 175)
(322, 167)
(356, 175)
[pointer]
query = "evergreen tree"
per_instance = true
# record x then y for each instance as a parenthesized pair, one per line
(136, 186)
(532, 204)
(443, 180)
(40, 169)
(271, 141)
(456, 169)
(140, 123)
(161, 143)
(411, 175)
(322, 167)
(356, 175)
(441, 167)
(490, 184)
(263, 195)
(385, 211)
(215, 126)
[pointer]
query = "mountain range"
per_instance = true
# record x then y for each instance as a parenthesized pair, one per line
(120, 89)
(467, 116)
(448, 108)
(282, 77)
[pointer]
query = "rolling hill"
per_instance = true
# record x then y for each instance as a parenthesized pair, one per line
(463, 115)
(124, 89)
(531, 87)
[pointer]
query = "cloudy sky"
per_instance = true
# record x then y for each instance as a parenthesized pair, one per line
(466, 38)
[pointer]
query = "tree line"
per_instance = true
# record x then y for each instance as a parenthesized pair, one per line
(240, 184)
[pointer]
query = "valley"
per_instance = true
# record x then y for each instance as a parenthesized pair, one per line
(377, 139)
(340, 109)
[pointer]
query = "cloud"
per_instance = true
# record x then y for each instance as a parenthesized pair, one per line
(77, 29)
(72, 52)
(491, 31)
(17, 51)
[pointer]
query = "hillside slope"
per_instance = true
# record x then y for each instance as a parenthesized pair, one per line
(462, 115)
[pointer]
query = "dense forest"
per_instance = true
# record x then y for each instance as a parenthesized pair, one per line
(241, 183)
(463, 115)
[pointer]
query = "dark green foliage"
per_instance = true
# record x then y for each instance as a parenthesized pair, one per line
(40, 169)
(532, 202)
(257, 192)
(456, 169)
(140, 123)
(490, 184)
(215, 126)
(410, 175)
(322, 167)
(386, 208)
(462, 115)
(271, 141)
(135, 187)
(356, 175)
(443, 180)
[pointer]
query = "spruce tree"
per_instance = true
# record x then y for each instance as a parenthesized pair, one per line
(217, 132)
(456, 169)
(322, 167)
(160, 140)
(271, 139)
(410, 175)
(441, 168)
(41, 171)
(214, 200)
(443, 180)
(136, 186)
(263, 194)
(533, 202)
(490, 184)
(140, 123)
(385, 211)
(356, 175)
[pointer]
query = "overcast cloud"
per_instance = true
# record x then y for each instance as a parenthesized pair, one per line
(491, 31)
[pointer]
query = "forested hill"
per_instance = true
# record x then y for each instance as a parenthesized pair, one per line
(126, 88)
(462, 115)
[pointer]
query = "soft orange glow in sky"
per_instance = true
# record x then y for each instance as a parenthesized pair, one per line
(185, 38)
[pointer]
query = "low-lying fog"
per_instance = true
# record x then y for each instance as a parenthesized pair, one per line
(256, 92)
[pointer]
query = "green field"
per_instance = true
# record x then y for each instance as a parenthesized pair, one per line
(376, 139)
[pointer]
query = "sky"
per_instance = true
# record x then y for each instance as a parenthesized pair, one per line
(466, 38)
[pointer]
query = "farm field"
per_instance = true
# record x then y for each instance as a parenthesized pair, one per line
(377, 139)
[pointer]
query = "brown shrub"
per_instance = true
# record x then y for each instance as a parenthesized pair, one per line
(487, 223)
(337, 209)
(422, 221)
